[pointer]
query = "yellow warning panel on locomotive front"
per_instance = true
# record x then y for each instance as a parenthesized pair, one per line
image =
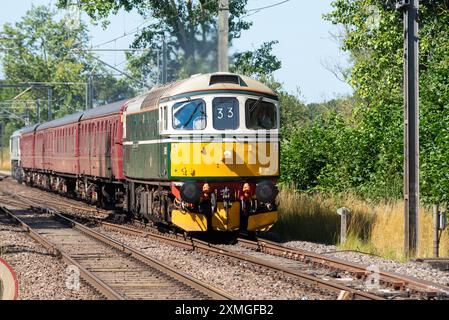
(262, 221)
(189, 221)
(223, 159)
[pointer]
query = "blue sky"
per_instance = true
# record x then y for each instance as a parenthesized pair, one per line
(305, 43)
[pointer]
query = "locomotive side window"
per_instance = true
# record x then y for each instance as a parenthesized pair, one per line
(164, 118)
(260, 115)
(189, 115)
(226, 113)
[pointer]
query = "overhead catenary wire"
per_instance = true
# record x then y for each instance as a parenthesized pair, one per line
(257, 10)
(268, 6)
(125, 34)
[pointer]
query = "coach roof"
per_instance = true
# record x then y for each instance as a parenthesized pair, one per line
(82, 115)
(17, 133)
(103, 110)
(71, 118)
(29, 128)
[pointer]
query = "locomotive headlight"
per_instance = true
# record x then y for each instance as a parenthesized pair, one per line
(266, 191)
(190, 192)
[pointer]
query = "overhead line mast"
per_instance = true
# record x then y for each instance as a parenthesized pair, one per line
(411, 127)
(410, 10)
(223, 35)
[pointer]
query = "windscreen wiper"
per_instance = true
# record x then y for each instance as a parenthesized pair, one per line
(251, 109)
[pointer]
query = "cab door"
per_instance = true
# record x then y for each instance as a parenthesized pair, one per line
(163, 146)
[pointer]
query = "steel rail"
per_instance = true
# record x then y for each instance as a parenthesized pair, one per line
(187, 280)
(393, 279)
(199, 245)
(209, 290)
(89, 277)
(71, 205)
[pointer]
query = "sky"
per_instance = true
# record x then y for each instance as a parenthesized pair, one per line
(306, 47)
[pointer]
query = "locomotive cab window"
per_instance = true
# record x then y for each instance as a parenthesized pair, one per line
(260, 115)
(226, 113)
(189, 115)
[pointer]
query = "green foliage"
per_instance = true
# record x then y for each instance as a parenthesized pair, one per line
(41, 48)
(259, 63)
(38, 49)
(188, 27)
(360, 147)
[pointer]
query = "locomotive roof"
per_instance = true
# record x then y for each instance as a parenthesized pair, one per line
(103, 110)
(206, 83)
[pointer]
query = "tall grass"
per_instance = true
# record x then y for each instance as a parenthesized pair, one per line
(6, 165)
(375, 228)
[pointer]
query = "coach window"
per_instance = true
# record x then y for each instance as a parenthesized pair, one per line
(189, 115)
(226, 113)
(59, 140)
(65, 140)
(260, 115)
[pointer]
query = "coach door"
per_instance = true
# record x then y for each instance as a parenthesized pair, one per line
(107, 148)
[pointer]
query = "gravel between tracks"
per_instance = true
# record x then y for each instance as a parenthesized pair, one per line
(40, 276)
(412, 269)
(249, 284)
(238, 279)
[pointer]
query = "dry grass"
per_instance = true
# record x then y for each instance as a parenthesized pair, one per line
(376, 229)
(6, 165)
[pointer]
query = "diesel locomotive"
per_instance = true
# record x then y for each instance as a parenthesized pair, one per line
(201, 154)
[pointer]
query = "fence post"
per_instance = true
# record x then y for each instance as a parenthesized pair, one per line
(343, 212)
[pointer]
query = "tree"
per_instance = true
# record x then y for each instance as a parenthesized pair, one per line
(39, 48)
(259, 63)
(189, 29)
(377, 53)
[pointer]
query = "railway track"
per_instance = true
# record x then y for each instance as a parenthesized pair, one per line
(173, 239)
(69, 205)
(391, 284)
(117, 271)
(322, 271)
(326, 272)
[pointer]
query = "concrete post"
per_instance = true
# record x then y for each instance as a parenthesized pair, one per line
(436, 230)
(344, 213)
